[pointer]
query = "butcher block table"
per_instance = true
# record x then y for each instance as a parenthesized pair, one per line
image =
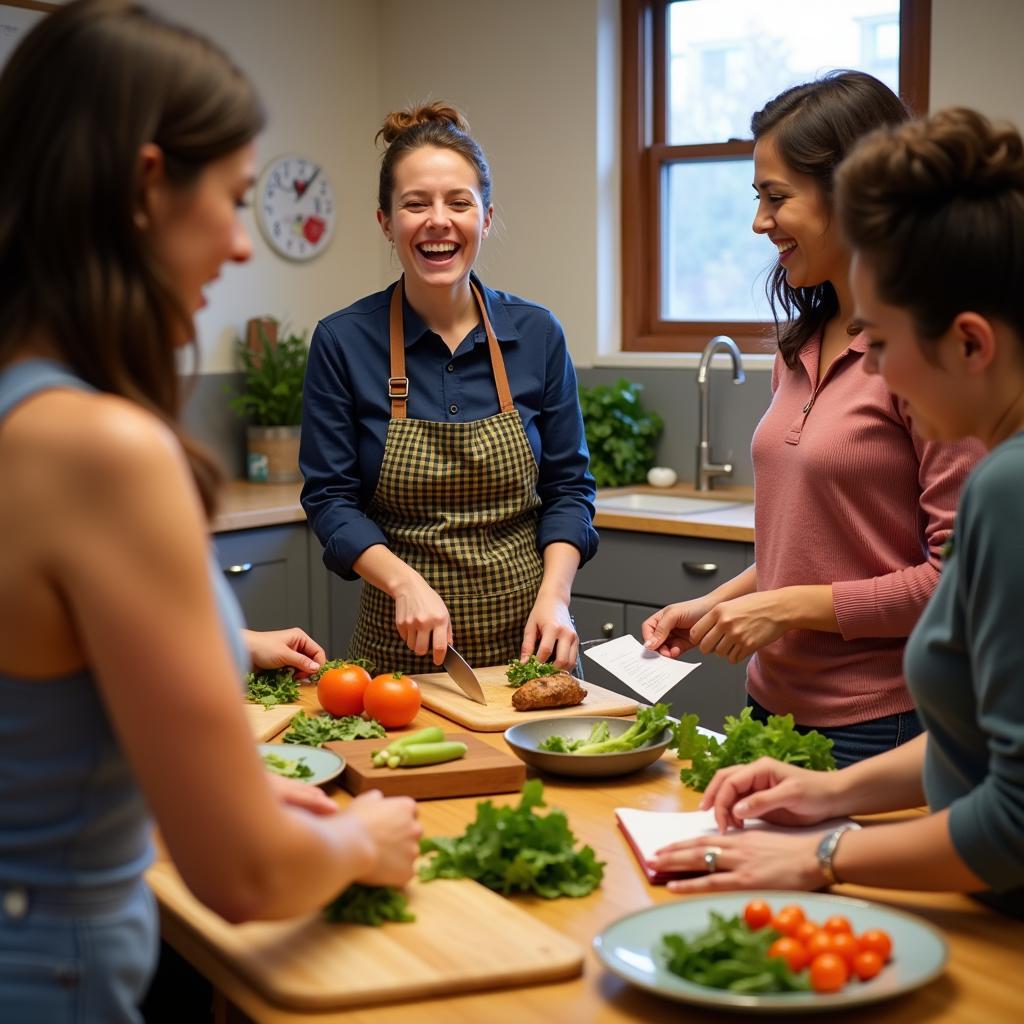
(981, 982)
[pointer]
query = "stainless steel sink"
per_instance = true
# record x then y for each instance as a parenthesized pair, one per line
(660, 504)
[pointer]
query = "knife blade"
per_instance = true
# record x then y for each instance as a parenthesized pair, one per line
(458, 668)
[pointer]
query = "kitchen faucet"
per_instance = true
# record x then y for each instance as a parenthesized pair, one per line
(706, 469)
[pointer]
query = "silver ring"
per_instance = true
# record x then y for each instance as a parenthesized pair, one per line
(711, 855)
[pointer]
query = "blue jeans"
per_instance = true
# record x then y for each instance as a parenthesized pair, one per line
(76, 956)
(861, 740)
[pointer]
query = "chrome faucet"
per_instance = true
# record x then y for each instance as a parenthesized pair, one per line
(706, 469)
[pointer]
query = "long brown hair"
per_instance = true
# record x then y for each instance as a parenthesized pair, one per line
(86, 89)
(937, 209)
(430, 124)
(813, 127)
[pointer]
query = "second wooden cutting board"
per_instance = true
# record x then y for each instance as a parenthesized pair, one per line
(440, 694)
(465, 938)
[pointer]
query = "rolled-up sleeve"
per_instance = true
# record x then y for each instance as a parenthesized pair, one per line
(565, 485)
(329, 458)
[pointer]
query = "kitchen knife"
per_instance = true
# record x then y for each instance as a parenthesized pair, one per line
(458, 668)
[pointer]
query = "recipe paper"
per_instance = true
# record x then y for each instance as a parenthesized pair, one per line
(646, 672)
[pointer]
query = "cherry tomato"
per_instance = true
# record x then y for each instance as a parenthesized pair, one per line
(787, 920)
(876, 941)
(820, 942)
(837, 924)
(757, 914)
(340, 690)
(805, 930)
(393, 699)
(845, 945)
(829, 973)
(791, 951)
(867, 964)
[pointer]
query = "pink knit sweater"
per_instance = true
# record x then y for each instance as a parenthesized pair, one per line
(848, 494)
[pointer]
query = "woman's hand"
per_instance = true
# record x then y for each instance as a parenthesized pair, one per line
(422, 619)
(550, 634)
(284, 648)
(783, 794)
(744, 860)
(294, 793)
(668, 631)
(736, 629)
(392, 826)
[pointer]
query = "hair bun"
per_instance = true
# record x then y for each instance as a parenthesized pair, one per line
(399, 121)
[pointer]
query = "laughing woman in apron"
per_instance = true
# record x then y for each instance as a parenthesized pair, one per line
(442, 441)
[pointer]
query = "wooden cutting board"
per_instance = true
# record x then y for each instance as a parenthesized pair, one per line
(440, 694)
(266, 723)
(465, 938)
(484, 769)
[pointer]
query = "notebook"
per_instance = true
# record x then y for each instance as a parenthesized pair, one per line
(648, 831)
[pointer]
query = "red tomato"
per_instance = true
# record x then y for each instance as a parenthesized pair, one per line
(867, 964)
(757, 914)
(393, 699)
(787, 920)
(820, 942)
(829, 973)
(791, 951)
(838, 924)
(340, 690)
(876, 941)
(845, 945)
(806, 930)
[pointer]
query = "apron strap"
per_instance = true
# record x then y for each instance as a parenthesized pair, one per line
(398, 382)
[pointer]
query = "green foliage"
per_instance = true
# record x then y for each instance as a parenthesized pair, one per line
(273, 687)
(339, 663)
(271, 393)
(316, 730)
(727, 954)
(289, 768)
(621, 434)
(368, 904)
(522, 672)
(648, 728)
(511, 849)
(747, 739)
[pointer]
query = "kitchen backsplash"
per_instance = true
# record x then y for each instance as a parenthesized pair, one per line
(735, 411)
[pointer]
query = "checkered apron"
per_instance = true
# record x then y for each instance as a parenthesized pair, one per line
(458, 502)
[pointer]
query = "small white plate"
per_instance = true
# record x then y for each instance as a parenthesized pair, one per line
(325, 764)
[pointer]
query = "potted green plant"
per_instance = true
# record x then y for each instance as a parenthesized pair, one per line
(270, 400)
(621, 434)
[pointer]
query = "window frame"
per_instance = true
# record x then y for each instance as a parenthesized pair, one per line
(645, 154)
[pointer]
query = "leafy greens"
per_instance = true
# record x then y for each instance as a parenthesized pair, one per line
(747, 739)
(512, 849)
(649, 725)
(289, 768)
(519, 673)
(316, 730)
(269, 688)
(368, 904)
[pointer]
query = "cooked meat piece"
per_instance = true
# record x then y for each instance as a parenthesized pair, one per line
(557, 691)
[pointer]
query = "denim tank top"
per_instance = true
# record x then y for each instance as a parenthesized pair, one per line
(71, 813)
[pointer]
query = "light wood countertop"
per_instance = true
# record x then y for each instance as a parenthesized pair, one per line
(979, 984)
(244, 505)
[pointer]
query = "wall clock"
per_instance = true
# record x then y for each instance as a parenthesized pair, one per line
(295, 207)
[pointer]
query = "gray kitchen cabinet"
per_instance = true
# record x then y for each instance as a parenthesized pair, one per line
(268, 569)
(631, 577)
(335, 603)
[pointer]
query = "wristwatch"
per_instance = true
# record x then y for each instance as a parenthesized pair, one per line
(827, 850)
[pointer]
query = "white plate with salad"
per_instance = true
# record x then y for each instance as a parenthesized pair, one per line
(307, 764)
(634, 948)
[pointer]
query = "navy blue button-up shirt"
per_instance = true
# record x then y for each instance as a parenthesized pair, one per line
(346, 410)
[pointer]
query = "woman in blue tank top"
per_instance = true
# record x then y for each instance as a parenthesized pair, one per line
(128, 148)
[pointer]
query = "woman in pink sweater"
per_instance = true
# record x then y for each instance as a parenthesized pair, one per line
(852, 505)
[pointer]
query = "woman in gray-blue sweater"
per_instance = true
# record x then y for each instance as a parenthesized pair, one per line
(934, 211)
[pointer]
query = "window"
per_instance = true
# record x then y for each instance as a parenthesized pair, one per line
(693, 73)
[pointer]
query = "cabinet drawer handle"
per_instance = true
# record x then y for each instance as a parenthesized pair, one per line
(701, 568)
(238, 570)
(608, 630)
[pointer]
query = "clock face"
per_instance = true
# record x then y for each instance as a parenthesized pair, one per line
(295, 207)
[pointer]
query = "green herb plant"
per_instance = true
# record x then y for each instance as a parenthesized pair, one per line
(277, 686)
(271, 394)
(729, 955)
(519, 673)
(316, 730)
(747, 739)
(289, 768)
(649, 726)
(369, 904)
(512, 849)
(621, 434)
(339, 663)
